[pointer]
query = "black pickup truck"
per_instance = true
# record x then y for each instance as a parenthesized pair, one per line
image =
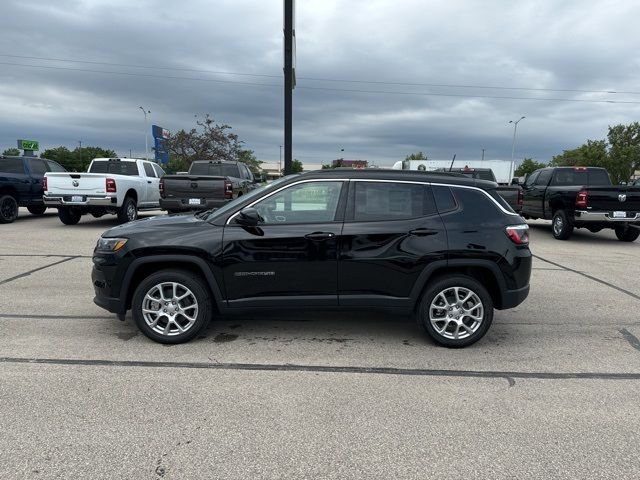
(208, 184)
(511, 193)
(582, 197)
(21, 182)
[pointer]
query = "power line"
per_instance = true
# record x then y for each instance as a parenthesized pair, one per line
(376, 92)
(318, 79)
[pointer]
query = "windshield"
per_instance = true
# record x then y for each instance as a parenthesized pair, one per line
(213, 214)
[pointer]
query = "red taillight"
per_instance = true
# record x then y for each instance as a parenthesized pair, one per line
(520, 197)
(228, 189)
(44, 184)
(161, 187)
(111, 185)
(519, 234)
(582, 198)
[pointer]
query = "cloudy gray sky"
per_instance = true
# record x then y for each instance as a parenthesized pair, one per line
(420, 68)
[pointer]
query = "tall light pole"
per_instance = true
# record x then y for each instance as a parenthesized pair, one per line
(513, 146)
(146, 133)
(482, 155)
(280, 162)
(80, 152)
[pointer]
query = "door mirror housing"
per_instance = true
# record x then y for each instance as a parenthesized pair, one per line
(249, 217)
(515, 181)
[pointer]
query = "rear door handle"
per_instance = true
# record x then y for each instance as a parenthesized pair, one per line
(319, 236)
(423, 232)
(149, 181)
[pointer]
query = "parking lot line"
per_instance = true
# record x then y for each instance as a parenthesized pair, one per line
(27, 273)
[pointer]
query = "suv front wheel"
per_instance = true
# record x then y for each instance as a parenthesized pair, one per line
(456, 311)
(171, 306)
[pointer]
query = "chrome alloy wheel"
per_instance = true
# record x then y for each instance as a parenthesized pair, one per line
(131, 212)
(169, 308)
(558, 225)
(456, 313)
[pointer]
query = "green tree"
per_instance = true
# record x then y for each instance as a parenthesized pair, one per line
(527, 167)
(296, 166)
(77, 160)
(208, 141)
(249, 158)
(624, 151)
(416, 156)
(11, 152)
(176, 165)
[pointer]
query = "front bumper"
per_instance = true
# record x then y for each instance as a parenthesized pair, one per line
(586, 216)
(88, 201)
(182, 204)
(102, 279)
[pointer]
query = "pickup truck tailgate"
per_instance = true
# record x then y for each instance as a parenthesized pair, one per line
(193, 186)
(81, 183)
(613, 199)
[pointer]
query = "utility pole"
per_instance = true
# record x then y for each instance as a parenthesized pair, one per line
(80, 152)
(146, 133)
(280, 161)
(513, 147)
(483, 154)
(289, 83)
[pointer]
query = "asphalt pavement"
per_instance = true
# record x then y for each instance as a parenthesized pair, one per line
(551, 391)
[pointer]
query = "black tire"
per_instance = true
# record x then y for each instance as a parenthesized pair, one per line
(198, 290)
(128, 212)
(69, 215)
(454, 317)
(627, 234)
(8, 209)
(37, 209)
(97, 215)
(594, 229)
(561, 225)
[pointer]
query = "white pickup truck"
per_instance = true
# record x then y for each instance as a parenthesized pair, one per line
(120, 186)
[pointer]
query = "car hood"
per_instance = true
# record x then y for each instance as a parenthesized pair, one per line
(160, 222)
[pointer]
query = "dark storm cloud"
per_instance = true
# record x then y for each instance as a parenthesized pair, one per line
(541, 44)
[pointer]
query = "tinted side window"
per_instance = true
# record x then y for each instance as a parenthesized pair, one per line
(11, 165)
(376, 201)
(158, 169)
(55, 167)
(544, 177)
(476, 205)
(37, 166)
(531, 178)
(444, 199)
(148, 169)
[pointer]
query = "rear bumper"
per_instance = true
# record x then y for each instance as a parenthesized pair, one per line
(513, 298)
(586, 216)
(88, 201)
(182, 204)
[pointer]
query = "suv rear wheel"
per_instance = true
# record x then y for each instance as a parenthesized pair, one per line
(456, 311)
(171, 306)
(8, 209)
(627, 234)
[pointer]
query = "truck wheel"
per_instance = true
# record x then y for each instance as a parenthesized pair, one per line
(37, 209)
(456, 311)
(627, 234)
(171, 306)
(561, 225)
(129, 211)
(8, 209)
(69, 215)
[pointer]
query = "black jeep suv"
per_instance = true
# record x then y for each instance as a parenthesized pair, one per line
(448, 248)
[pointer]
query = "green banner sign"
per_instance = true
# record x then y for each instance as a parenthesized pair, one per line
(28, 145)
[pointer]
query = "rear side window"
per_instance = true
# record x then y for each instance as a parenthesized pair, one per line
(117, 168)
(37, 166)
(158, 169)
(476, 204)
(148, 169)
(11, 165)
(498, 198)
(377, 201)
(444, 199)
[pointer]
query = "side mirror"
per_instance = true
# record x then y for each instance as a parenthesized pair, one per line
(515, 181)
(249, 217)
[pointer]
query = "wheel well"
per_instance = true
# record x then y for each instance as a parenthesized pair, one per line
(483, 275)
(133, 194)
(555, 206)
(149, 268)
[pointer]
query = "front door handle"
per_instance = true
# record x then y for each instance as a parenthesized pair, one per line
(319, 236)
(423, 232)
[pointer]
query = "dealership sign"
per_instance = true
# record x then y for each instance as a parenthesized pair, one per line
(160, 135)
(28, 145)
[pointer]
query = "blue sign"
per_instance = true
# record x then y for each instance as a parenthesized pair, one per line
(159, 136)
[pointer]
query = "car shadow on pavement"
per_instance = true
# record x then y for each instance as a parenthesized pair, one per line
(580, 235)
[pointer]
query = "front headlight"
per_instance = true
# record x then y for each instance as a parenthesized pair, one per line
(110, 245)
